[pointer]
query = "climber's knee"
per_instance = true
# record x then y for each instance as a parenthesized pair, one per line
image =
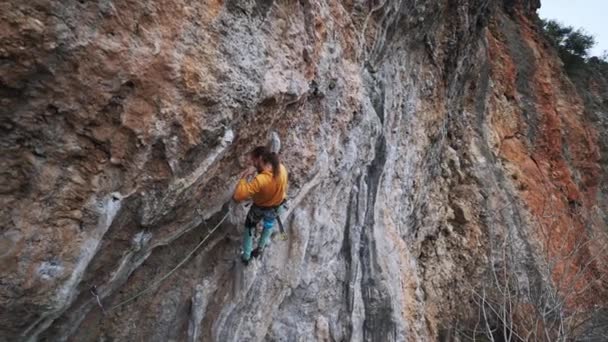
(264, 238)
(268, 224)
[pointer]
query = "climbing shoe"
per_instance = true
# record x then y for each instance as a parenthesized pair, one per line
(245, 261)
(257, 253)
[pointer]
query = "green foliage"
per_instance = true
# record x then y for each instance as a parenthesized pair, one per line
(556, 33)
(572, 44)
(600, 64)
(578, 43)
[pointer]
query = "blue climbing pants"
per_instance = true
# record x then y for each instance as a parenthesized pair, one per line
(267, 216)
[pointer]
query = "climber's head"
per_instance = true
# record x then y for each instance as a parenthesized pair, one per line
(262, 159)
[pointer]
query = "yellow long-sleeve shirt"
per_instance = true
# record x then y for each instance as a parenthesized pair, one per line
(264, 189)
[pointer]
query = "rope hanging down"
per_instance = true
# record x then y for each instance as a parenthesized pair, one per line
(153, 285)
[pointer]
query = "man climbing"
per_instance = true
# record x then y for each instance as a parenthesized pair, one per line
(268, 190)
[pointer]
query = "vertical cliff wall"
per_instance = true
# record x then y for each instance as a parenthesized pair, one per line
(423, 138)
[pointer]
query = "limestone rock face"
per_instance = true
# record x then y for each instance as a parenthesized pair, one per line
(418, 135)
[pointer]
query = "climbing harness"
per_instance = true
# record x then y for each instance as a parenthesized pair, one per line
(277, 210)
(159, 281)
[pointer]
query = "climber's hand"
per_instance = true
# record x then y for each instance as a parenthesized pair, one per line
(248, 172)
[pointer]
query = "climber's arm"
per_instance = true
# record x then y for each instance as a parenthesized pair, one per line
(245, 190)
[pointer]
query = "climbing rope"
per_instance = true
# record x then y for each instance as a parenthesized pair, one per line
(153, 285)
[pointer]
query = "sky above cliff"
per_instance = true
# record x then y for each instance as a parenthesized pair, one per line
(587, 14)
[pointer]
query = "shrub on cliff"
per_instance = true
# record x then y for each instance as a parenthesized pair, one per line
(552, 297)
(572, 44)
(600, 64)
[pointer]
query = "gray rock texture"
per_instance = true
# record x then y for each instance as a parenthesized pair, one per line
(421, 137)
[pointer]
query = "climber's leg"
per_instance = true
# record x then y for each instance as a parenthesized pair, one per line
(247, 243)
(268, 220)
(266, 233)
(253, 217)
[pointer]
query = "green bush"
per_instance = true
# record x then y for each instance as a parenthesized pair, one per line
(599, 64)
(572, 44)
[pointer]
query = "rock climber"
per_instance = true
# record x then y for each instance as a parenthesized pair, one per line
(268, 190)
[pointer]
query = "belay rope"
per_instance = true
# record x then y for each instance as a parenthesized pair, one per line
(159, 281)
